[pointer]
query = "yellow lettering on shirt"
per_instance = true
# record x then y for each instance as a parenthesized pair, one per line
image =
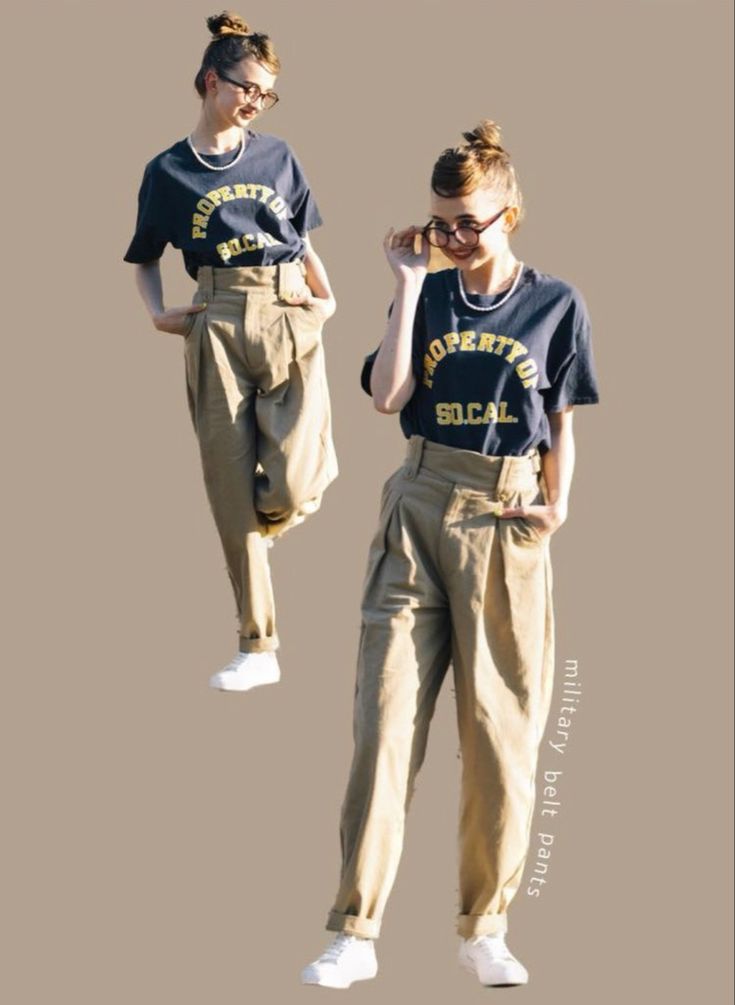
(509, 349)
(245, 243)
(455, 413)
(443, 413)
(503, 341)
(528, 372)
(437, 350)
(228, 193)
(518, 350)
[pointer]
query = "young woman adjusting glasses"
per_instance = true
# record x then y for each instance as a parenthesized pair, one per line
(484, 361)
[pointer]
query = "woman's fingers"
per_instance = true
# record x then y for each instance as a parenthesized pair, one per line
(174, 320)
(509, 512)
(543, 517)
(401, 238)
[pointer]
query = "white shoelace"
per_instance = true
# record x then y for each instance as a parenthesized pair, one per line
(341, 942)
(493, 947)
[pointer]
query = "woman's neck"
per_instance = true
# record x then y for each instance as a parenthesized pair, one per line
(493, 276)
(211, 136)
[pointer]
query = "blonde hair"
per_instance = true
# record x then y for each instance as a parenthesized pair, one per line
(232, 41)
(480, 162)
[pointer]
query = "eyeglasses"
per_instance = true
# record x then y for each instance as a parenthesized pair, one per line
(466, 234)
(252, 92)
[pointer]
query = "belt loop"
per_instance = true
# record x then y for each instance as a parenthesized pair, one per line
(535, 458)
(205, 279)
(289, 277)
(415, 453)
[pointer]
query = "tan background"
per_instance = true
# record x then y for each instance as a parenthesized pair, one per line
(164, 843)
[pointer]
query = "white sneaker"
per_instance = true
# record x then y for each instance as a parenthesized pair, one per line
(490, 960)
(247, 670)
(347, 959)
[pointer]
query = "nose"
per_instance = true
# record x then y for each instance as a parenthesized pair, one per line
(453, 243)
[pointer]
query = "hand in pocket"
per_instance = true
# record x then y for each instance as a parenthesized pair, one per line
(177, 320)
(545, 519)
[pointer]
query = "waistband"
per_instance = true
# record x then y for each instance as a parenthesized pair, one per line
(277, 279)
(467, 467)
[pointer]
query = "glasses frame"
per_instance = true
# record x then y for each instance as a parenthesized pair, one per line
(253, 92)
(448, 232)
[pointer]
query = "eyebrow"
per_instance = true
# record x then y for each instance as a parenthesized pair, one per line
(462, 216)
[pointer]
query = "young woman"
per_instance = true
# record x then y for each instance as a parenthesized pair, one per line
(485, 362)
(238, 205)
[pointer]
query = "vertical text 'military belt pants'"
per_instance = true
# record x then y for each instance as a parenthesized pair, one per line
(259, 402)
(448, 581)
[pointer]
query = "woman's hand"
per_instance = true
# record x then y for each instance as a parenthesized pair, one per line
(175, 320)
(399, 250)
(546, 519)
(305, 298)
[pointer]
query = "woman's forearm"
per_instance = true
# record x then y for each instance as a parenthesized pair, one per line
(150, 287)
(316, 274)
(392, 381)
(558, 461)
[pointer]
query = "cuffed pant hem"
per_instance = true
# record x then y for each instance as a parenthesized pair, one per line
(366, 928)
(470, 925)
(258, 645)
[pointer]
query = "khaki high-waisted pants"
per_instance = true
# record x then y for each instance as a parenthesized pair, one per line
(448, 581)
(258, 398)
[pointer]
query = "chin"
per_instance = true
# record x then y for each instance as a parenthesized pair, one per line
(470, 262)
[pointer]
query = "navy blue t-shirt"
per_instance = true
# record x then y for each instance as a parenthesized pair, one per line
(486, 380)
(253, 213)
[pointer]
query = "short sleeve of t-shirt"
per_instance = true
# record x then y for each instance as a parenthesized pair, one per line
(148, 242)
(306, 214)
(419, 329)
(571, 365)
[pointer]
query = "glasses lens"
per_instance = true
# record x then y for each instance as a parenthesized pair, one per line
(438, 236)
(466, 236)
(269, 99)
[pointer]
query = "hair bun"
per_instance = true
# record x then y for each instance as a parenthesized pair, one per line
(485, 138)
(227, 23)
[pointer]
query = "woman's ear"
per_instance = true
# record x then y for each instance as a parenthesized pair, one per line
(510, 219)
(211, 81)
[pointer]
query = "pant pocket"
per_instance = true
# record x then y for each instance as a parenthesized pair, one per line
(305, 324)
(531, 533)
